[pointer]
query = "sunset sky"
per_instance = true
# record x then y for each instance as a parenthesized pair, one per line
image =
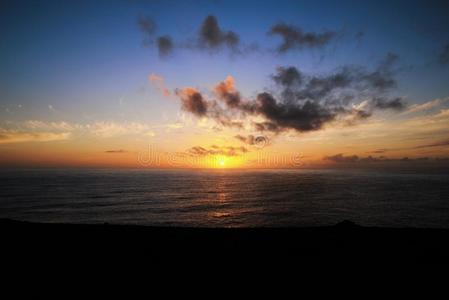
(223, 84)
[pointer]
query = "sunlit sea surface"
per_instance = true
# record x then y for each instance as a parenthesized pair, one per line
(226, 198)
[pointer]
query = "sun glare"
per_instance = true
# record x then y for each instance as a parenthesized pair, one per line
(221, 162)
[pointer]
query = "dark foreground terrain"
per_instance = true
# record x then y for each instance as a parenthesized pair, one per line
(342, 243)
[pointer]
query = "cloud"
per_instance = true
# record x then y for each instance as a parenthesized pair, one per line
(227, 122)
(226, 91)
(382, 78)
(442, 143)
(340, 158)
(443, 57)
(295, 38)
(13, 136)
(394, 104)
(158, 82)
(301, 102)
(164, 45)
(176, 125)
(442, 114)
(257, 141)
(301, 117)
(212, 37)
(217, 150)
(425, 106)
(111, 129)
(116, 151)
(36, 130)
(50, 107)
(58, 126)
(147, 25)
(287, 76)
(352, 159)
(250, 139)
(381, 150)
(193, 101)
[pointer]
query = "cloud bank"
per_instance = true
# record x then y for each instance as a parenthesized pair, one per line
(353, 159)
(301, 102)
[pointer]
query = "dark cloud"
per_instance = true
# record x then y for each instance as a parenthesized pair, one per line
(295, 38)
(394, 104)
(226, 92)
(340, 158)
(250, 139)
(227, 122)
(359, 35)
(257, 141)
(193, 101)
(217, 150)
(443, 57)
(164, 45)
(211, 36)
(307, 103)
(302, 102)
(319, 87)
(266, 126)
(383, 77)
(287, 76)
(301, 117)
(147, 25)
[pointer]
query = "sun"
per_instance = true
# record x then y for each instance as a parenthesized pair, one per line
(226, 162)
(220, 162)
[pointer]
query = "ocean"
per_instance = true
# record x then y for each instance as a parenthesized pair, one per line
(226, 198)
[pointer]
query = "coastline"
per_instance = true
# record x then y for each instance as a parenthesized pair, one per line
(345, 242)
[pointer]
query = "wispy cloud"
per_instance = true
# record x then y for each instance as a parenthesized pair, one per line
(352, 159)
(111, 129)
(37, 130)
(443, 143)
(59, 126)
(12, 136)
(217, 150)
(425, 106)
(158, 82)
(119, 151)
(443, 56)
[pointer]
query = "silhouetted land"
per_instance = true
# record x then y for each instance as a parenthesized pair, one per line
(342, 243)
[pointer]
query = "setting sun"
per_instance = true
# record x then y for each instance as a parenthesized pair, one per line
(221, 162)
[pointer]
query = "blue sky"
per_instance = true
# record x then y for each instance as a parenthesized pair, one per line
(90, 52)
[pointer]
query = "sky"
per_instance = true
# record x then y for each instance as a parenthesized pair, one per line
(223, 84)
